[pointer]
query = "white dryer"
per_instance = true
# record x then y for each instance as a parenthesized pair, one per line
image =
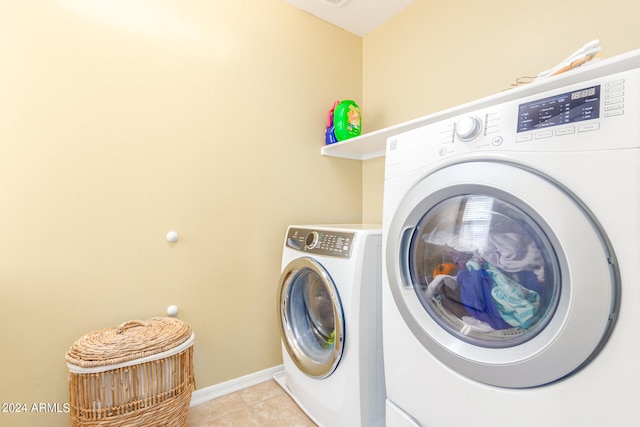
(329, 304)
(511, 244)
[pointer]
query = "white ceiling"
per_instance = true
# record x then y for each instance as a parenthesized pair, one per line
(356, 16)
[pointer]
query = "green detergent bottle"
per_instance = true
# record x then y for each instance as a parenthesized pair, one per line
(347, 121)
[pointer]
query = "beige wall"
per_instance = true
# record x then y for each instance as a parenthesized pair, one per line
(123, 120)
(434, 56)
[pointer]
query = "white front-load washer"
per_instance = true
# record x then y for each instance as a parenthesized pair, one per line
(329, 304)
(511, 257)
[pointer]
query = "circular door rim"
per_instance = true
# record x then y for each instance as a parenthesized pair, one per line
(560, 349)
(295, 351)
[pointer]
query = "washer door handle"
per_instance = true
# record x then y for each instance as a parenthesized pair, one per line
(403, 253)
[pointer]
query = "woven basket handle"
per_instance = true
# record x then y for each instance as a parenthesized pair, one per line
(130, 324)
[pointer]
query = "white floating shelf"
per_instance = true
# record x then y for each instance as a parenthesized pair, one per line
(370, 145)
(374, 144)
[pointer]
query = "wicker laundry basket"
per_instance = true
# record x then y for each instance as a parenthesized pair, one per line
(137, 374)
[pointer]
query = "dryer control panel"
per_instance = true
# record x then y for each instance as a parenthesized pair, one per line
(321, 242)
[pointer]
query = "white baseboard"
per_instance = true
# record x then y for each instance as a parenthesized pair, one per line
(217, 390)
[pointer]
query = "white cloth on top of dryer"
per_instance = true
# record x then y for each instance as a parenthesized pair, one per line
(516, 304)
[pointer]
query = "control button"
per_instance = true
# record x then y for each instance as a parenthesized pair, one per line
(566, 131)
(589, 127)
(468, 128)
(613, 107)
(614, 83)
(613, 113)
(497, 141)
(442, 151)
(614, 101)
(524, 138)
(614, 94)
(615, 88)
(544, 134)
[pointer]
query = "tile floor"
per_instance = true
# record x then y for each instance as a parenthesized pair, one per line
(263, 405)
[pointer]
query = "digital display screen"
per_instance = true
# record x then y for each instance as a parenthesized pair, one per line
(570, 107)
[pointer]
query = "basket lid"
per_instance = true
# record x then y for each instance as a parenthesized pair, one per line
(132, 340)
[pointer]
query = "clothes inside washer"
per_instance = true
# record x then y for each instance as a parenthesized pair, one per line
(516, 304)
(484, 293)
(513, 252)
(509, 251)
(447, 290)
(476, 287)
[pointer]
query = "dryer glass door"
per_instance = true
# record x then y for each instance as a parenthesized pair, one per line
(311, 317)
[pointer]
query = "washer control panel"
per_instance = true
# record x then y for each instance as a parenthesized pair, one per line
(554, 118)
(321, 242)
(594, 114)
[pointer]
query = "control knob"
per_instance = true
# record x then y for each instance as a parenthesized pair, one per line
(468, 128)
(311, 240)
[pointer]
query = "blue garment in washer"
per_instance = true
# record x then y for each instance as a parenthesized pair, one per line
(517, 305)
(475, 294)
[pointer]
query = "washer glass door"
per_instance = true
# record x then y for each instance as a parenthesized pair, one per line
(311, 317)
(484, 270)
(502, 274)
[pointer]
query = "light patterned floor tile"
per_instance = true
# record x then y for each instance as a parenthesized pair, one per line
(280, 411)
(263, 405)
(260, 392)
